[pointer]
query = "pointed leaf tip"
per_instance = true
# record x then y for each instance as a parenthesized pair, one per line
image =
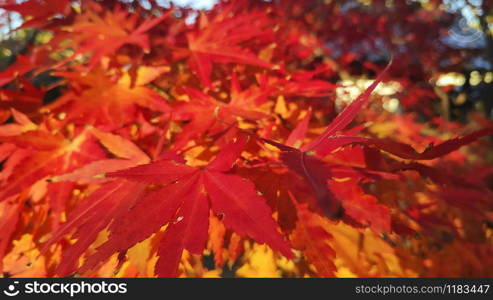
(228, 155)
(348, 114)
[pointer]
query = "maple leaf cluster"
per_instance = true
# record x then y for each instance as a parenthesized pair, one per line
(217, 146)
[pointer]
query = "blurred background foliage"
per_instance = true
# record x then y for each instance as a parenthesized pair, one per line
(445, 47)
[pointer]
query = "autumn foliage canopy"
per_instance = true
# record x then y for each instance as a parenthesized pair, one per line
(146, 140)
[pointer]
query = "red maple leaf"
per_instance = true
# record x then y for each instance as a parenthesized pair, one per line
(34, 147)
(206, 114)
(312, 169)
(317, 173)
(219, 40)
(95, 98)
(184, 207)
